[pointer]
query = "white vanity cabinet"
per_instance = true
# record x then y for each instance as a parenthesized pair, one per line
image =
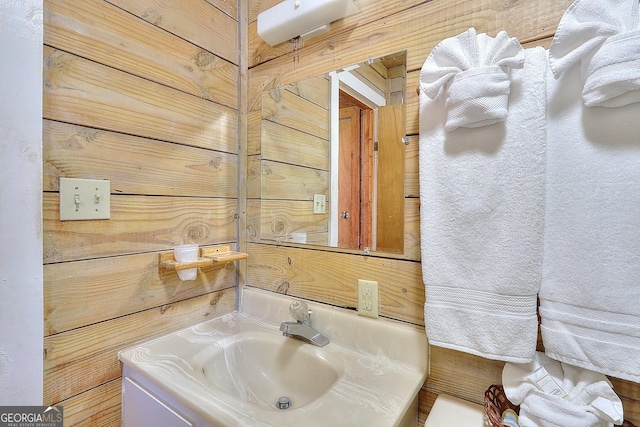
(142, 408)
(146, 405)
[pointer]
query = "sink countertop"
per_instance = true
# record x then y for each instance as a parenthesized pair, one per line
(382, 366)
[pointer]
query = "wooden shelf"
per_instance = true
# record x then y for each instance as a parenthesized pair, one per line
(208, 257)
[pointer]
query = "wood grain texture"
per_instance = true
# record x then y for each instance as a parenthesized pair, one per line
(417, 26)
(83, 92)
(138, 224)
(82, 293)
(332, 277)
(411, 167)
(254, 128)
(77, 360)
(197, 21)
(284, 181)
(145, 94)
(284, 107)
(101, 32)
(280, 218)
(98, 407)
(293, 145)
(230, 7)
(390, 201)
(314, 89)
(384, 27)
(135, 165)
(411, 229)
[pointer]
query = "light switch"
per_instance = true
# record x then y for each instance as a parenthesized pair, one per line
(319, 201)
(84, 199)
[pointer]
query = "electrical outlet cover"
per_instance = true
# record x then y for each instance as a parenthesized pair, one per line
(368, 298)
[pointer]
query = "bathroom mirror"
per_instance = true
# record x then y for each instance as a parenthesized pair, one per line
(332, 158)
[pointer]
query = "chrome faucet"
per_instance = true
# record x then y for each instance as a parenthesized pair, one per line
(301, 329)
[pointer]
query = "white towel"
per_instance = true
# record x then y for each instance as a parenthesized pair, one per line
(481, 208)
(604, 38)
(562, 395)
(473, 71)
(590, 292)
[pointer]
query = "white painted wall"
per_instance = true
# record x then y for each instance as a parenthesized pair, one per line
(21, 312)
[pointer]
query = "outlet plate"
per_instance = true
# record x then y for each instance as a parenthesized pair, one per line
(367, 298)
(82, 199)
(319, 204)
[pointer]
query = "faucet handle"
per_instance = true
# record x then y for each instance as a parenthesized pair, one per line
(299, 310)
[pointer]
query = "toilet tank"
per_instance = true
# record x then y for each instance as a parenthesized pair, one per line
(450, 411)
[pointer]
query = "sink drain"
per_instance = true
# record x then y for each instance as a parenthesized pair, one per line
(283, 403)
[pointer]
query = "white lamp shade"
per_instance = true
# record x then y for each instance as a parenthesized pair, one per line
(292, 18)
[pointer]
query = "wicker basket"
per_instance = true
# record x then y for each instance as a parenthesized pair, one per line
(496, 402)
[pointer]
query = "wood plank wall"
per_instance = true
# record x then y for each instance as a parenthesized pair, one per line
(383, 27)
(144, 94)
(291, 162)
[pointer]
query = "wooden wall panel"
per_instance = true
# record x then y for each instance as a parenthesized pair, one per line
(291, 182)
(254, 121)
(415, 25)
(330, 275)
(292, 161)
(75, 292)
(291, 145)
(314, 89)
(280, 218)
(80, 359)
(144, 94)
(283, 107)
(83, 92)
(99, 407)
(212, 28)
(138, 224)
(101, 32)
(135, 165)
(411, 168)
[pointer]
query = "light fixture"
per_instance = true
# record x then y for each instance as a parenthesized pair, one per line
(304, 18)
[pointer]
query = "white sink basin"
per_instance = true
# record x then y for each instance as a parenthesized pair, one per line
(260, 368)
(232, 370)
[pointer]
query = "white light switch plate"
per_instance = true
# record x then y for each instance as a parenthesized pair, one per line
(319, 204)
(84, 199)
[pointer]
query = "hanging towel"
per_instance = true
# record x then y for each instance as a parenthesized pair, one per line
(590, 292)
(481, 211)
(475, 69)
(552, 394)
(604, 38)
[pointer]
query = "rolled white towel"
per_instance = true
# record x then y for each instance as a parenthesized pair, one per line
(604, 37)
(474, 70)
(551, 393)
